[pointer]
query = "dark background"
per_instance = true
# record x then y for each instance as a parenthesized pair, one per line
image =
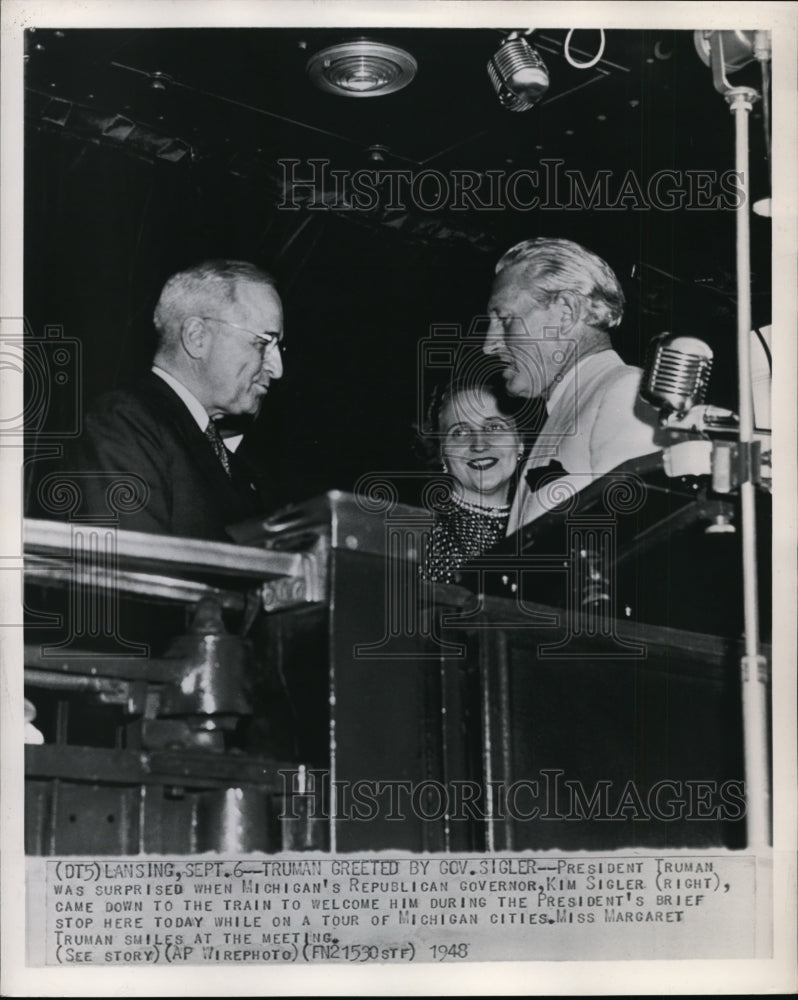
(147, 150)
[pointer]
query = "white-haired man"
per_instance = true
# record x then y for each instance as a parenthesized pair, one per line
(551, 308)
(220, 331)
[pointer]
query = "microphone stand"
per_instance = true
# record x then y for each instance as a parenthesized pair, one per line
(753, 666)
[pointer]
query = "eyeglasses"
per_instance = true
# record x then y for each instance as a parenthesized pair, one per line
(265, 340)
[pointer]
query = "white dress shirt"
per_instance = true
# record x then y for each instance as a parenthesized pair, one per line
(194, 407)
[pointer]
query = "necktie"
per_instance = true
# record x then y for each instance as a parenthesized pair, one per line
(215, 439)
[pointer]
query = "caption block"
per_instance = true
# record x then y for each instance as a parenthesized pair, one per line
(389, 909)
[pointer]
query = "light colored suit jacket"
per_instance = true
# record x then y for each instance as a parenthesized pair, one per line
(595, 423)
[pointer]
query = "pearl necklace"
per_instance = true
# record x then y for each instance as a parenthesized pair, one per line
(500, 510)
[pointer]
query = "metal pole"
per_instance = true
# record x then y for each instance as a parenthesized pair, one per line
(753, 666)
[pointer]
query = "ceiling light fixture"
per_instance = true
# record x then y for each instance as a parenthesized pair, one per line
(362, 68)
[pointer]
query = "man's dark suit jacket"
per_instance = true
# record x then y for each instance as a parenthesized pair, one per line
(147, 434)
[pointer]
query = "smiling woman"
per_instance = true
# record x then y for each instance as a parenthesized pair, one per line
(480, 447)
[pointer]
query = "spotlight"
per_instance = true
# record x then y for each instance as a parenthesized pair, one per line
(518, 74)
(362, 68)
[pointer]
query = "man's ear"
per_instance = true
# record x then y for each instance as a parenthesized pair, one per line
(195, 337)
(570, 305)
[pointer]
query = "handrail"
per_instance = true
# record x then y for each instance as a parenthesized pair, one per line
(138, 550)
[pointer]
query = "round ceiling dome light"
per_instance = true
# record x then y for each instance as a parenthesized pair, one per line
(362, 68)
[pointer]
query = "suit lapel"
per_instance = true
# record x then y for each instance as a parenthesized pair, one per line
(232, 491)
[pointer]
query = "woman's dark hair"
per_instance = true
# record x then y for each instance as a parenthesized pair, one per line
(429, 433)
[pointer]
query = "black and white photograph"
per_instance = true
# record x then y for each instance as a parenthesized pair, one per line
(398, 434)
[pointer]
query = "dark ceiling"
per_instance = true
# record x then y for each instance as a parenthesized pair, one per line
(147, 148)
(240, 100)
(648, 103)
(249, 87)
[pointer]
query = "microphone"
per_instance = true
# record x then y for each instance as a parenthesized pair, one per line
(676, 375)
(518, 74)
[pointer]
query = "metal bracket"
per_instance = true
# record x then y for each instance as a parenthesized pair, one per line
(755, 668)
(286, 592)
(735, 462)
(720, 64)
